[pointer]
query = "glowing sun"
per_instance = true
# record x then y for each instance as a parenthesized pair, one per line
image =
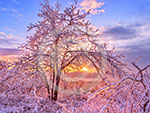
(84, 69)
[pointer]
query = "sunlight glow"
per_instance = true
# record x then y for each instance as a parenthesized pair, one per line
(84, 69)
(9, 58)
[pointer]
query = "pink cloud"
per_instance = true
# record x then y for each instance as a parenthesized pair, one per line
(4, 35)
(93, 5)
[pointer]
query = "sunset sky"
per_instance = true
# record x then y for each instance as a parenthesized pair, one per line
(125, 24)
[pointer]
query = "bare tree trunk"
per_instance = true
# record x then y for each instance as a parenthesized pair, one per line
(48, 91)
(57, 86)
(56, 76)
(52, 88)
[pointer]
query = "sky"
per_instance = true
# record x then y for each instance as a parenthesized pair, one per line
(124, 24)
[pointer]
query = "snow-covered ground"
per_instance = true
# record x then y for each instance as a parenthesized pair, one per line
(21, 94)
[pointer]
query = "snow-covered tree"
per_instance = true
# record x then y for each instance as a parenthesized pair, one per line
(64, 38)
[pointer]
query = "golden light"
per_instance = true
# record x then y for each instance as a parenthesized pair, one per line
(84, 69)
(9, 58)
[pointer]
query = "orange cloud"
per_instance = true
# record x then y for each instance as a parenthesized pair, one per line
(86, 5)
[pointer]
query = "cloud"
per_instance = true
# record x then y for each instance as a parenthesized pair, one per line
(5, 52)
(120, 33)
(6, 36)
(127, 34)
(133, 40)
(9, 10)
(12, 12)
(139, 44)
(134, 51)
(18, 15)
(16, 1)
(8, 29)
(95, 6)
(9, 40)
